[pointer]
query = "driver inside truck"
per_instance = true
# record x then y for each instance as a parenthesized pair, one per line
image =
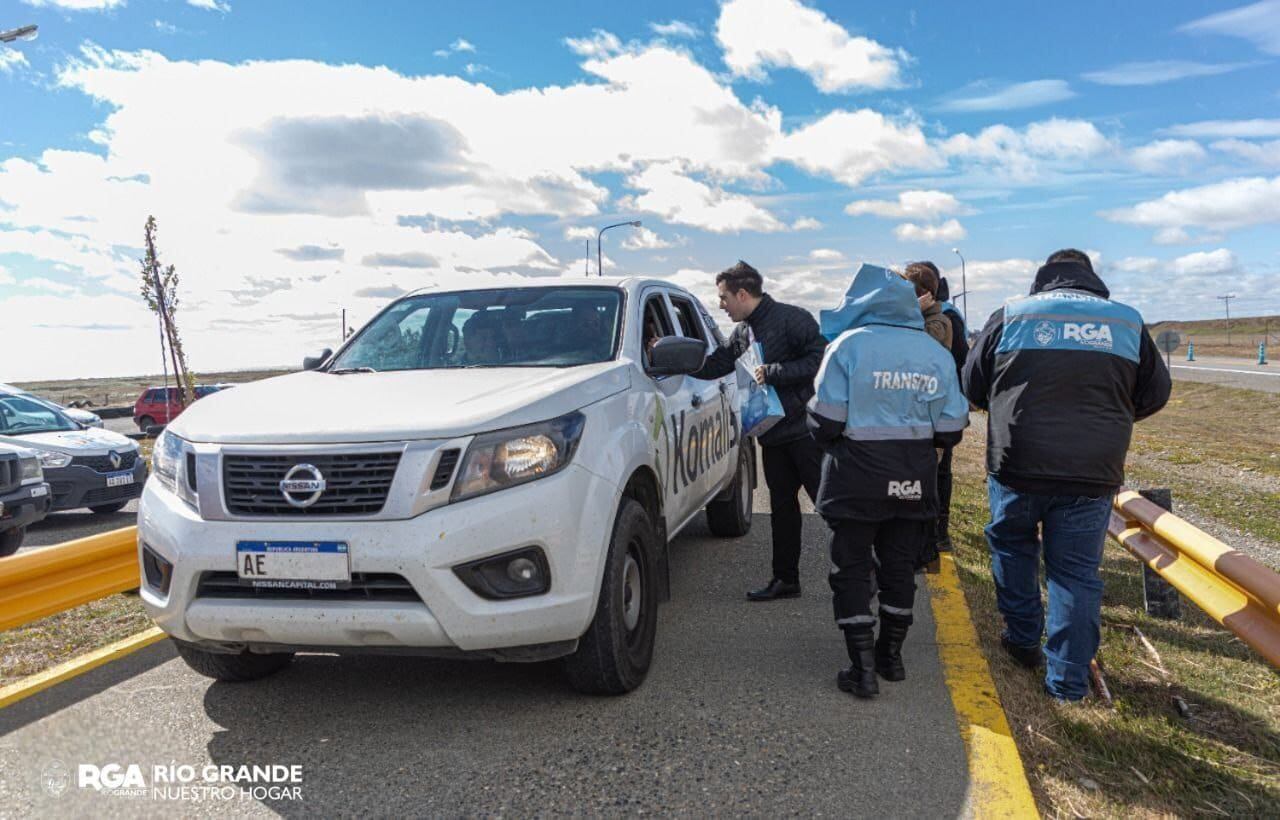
(483, 340)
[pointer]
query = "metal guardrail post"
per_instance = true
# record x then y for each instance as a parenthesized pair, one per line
(1158, 595)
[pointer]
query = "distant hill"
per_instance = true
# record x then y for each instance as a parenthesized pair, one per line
(1210, 335)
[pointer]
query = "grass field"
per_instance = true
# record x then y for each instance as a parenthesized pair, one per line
(1211, 338)
(112, 392)
(1145, 756)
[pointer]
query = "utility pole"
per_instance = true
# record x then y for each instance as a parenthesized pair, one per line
(1226, 303)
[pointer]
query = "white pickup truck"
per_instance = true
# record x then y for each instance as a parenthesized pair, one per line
(494, 472)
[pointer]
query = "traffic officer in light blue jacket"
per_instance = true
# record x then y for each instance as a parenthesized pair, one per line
(887, 396)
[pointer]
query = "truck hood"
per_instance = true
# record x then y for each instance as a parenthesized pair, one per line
(319, 408)
(91, 442)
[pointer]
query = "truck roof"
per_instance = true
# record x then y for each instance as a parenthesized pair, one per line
(627, 283)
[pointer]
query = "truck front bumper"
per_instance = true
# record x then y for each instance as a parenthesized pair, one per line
(24, 507)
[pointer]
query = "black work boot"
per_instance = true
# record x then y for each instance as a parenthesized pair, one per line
(943, 539)
(860, 677)
(893, 632)
(775, 589)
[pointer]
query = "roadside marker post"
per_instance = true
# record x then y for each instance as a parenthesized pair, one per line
(1191, 351)
(1262, 352)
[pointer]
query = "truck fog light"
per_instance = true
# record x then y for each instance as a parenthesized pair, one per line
(158, 571)
(516, 574)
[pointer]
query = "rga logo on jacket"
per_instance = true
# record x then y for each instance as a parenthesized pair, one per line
(1088, 333)
(906, 490)
(1045, 333)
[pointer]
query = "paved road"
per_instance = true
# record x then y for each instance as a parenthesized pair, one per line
(740, 714)
(121, 425)
(64, 526)
(1244, 373)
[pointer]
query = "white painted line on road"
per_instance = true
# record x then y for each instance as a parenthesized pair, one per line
(1223, 370)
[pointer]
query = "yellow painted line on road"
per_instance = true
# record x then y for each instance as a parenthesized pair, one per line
(40, 681)
(997, 781)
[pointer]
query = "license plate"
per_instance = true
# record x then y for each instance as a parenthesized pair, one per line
(39, 492)
(294, 564)
(119, 479)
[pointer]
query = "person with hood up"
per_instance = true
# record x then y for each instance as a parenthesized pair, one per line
(887, 395)
(1063, 374)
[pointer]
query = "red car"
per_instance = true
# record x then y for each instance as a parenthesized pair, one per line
(151, 407)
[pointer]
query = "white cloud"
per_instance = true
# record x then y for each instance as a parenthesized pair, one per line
(1021, 154)
(850, 146)
(1227, 128)
(579, 232)
(1206, 263)
(10, 59)
(1165, 155)
(1259, 23)
(600, 44)
(1137, 264)
(760, 34)
(1220, 207)
(948, 231)
(1265, 154)
(926, 205)
(668, 192)
(676, 28)
(826, 255)
(806, 223)
(984, 96)
(210, 5)
(164, 28)
(77, 5)
(1159, 71)
(6, 278)
(643, 239)
(41, 283)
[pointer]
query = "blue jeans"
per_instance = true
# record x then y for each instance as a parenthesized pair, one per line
(1072, 529)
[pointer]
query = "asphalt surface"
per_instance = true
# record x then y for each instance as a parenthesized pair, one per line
(1242, 373)
(740, 714)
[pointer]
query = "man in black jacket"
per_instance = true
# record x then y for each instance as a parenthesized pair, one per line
(793, 350)
(1063, 374)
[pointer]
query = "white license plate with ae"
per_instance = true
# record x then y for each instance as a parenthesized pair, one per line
(119, 479)
(294, 564)
(39, 492)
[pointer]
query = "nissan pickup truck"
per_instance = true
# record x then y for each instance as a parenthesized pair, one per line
(495, 472)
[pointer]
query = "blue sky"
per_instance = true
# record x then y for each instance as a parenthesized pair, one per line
(303, 157)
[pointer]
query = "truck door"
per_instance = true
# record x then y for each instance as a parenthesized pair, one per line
(706, 438)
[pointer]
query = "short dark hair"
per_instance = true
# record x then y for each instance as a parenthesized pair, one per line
(924, 275)
(742, 277)
(1070, 255)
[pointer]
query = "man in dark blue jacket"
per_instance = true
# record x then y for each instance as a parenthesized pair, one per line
(887, 395)
(1063, 374)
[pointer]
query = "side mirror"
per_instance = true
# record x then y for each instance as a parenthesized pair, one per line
(676, 356)
(313, 362)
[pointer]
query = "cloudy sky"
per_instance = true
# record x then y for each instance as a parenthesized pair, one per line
(301, 157)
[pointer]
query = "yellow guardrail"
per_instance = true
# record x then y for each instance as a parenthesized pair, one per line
(42, 582)
(1232, 588)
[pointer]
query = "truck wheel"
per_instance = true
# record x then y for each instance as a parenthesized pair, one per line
(613, 656)
(11, 540)
(108, 509)
(145, 422)
(730, 517)
(245, 666)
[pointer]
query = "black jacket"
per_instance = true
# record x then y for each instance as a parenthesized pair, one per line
(1063, 374)
(793, 350)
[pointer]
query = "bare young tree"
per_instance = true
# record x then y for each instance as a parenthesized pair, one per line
(160, 291)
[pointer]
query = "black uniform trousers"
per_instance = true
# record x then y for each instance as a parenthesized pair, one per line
(897, 543)
(788, 468)
(944, 494)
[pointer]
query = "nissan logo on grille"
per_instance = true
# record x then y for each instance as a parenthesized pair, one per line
(302, 485)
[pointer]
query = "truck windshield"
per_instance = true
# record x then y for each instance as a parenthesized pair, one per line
(514, 327)
(20, 415)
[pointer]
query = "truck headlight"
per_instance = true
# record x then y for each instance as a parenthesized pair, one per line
(518, 455)
(172, 463)
(30, 470)
(54, 460)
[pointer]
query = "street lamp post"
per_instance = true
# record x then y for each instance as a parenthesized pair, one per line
(964, 286)
(599, 253)
(21, 33)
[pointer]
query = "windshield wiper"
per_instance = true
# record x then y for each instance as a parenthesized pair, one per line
(344, 370)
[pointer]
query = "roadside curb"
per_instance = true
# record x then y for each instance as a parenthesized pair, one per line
(997, 780)
(40, 681)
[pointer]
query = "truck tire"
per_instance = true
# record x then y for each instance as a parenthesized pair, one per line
(108, 509)
(730, 516)
(10, 540)
(613, 656)
(238, 668)
(145, 422)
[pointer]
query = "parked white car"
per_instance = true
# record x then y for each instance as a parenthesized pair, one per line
(81, 417)
(493, 472)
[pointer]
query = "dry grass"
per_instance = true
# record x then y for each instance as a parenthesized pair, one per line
(1211, 338)
(112, 392)
(1142, 757)
(50, 641)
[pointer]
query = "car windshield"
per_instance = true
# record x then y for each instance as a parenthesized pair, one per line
(513, 327)
(20, 415)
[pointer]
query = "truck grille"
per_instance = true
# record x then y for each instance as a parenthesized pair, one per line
(102, 464)
(10, 475)
(355, 484)
(365, 586)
